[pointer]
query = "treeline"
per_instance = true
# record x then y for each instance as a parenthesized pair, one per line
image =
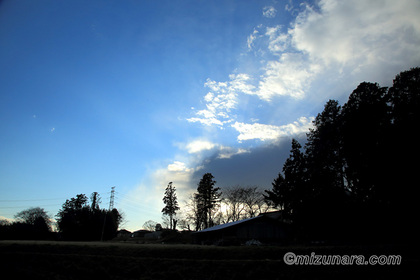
(76, 220)
(33, 223)
(356, 177)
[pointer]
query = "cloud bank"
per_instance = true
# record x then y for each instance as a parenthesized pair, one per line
(331, 44)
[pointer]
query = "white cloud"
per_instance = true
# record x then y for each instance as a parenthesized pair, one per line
(345, 40)
(199, 146)
(278, 41)
(290, 76)
(228, 152)
(198, 149)
(289, 7)
(265, 132)
(222, 99)
(206, 121)
(251, 38)
(359, 33)
(269, 12)
(178, 166)
(240, 83)
(256, 131)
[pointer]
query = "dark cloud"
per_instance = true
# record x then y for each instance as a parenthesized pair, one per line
(259, 167)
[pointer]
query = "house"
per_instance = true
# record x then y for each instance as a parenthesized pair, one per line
(140, 233)
(123, 233)
(266, 228)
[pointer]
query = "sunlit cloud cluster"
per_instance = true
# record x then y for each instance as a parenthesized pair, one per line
(222, 99)
(178, 166)
(197, 146)
(340, 41)
(265, 132)
(358, 33)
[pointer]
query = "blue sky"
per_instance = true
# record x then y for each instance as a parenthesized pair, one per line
(134, 94)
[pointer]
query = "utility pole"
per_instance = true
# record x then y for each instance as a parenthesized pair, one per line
(111, 206)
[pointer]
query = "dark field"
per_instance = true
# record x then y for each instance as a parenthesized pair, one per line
(94, 260)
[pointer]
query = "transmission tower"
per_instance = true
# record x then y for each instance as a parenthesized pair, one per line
(111, 199)
(111, 206)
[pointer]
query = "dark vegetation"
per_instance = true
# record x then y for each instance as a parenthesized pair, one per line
(90, 260)
(356, 178)
(77, 220)
(33, 223)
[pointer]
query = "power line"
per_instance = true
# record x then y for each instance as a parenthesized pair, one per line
(16, 207)
(25, 200)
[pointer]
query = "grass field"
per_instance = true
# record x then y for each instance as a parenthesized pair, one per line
(95, 260)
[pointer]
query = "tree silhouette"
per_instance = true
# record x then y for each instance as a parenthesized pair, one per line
(34, 216)
(324, 161)
(403, 154)
(364, 121)
(207, 197)
(290, 190)
(95, 199)
(171, 204)
(296, 191)
(278, 196)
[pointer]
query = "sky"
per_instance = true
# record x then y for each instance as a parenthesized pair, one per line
(137, 94)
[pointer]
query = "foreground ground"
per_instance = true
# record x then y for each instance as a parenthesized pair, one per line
(94, 260)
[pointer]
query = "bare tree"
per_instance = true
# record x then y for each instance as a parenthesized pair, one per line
(193, 215)
(95, 199)
(150, 225)
(184, 224)
(254, 201)
(183, 221)
(243, 202)
(233, 200)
